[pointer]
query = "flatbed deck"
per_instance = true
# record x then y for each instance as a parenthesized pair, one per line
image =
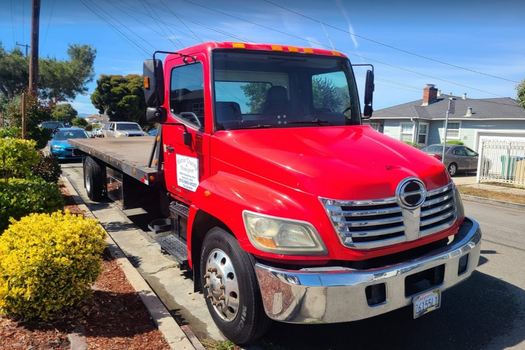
(127, 154)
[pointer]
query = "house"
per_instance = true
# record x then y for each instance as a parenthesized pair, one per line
(421, 121)
(97, 119)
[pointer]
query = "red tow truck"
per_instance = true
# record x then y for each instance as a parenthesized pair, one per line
(282, 203)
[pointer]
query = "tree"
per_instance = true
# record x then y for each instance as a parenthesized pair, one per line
(521, 93)
(64, 112)
(256, 92)
(79, 122)
(58, 80)
(120, 97)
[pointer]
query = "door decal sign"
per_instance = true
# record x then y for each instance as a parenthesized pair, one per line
(187, 172)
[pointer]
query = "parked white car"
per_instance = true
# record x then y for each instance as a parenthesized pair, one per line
(122, 129)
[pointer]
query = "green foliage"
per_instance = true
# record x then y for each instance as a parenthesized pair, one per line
(19, 197)
(455, 142)
(17, 157)
(47, 168)
(12, 131)
(521, 93)
(59, 80)
(256, 92)
(89, 127)
(48, 262)
(120, 97)
(64, 112)
(413, 144)
(79, 122)
(37, 112)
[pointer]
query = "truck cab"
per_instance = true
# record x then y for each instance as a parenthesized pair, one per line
(289, 207)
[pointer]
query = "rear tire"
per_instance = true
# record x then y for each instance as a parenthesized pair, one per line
(230, 288)
(94, 179)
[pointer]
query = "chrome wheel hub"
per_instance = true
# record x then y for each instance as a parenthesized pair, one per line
(220, 282)
(88, 183)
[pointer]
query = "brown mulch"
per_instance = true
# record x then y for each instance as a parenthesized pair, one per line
(112, 317)
(495, 195)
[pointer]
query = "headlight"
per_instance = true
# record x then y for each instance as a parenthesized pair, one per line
(283, 236)
(57, 147)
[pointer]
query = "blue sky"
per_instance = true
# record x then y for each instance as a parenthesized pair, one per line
(486, 36)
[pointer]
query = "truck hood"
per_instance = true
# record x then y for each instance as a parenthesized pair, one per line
(339, 162)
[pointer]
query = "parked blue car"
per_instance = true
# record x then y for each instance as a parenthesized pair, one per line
(59, 145)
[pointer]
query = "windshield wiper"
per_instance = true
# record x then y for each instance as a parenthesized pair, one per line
(258, 126)
(313, 121)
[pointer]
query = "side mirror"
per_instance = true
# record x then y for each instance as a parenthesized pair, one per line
(155, 115)
(369, 94)
(153, 84)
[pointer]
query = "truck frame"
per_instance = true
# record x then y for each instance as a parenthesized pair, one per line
(269, 188)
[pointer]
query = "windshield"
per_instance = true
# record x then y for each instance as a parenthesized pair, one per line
(435, 149)
(70, 134)
(129, 126)
(261, 89)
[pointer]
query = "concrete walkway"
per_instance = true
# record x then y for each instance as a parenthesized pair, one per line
(173, 286)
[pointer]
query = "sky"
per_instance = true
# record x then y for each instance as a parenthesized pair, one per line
(473, 47)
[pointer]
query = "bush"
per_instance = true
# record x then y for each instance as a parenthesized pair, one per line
(47, 168)
(10, 132)
(47, 263)
(17, 157)
(79, 122)
(455, 142)
(412, 144)
(19, 197)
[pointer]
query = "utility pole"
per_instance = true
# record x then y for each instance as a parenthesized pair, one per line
(33, 60)
(450, 110)
(24, 46)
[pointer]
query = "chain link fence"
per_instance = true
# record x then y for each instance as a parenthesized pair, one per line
(502, 161)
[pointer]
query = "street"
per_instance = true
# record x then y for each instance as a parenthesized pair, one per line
(485, 312)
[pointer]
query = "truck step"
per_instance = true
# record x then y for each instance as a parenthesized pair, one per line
(161, 225)
(179, 209)
(175, 247)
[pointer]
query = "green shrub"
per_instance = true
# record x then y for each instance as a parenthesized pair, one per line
(412, 144)
(455, 142)
(47, 168)
(10, 132)
(79, 122)
(19, 197)
(17, 157)
(47, 263)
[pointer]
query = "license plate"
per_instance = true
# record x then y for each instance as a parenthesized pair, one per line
(426, 302)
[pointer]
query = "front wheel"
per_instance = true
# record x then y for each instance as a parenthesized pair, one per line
(452, 169)
(231, 289)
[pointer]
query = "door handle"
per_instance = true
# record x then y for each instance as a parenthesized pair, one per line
(169, 149)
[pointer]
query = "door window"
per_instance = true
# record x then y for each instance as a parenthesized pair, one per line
(470, 152)
(460, 151)
(187, 94)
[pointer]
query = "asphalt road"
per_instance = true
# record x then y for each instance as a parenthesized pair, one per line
(485, 312)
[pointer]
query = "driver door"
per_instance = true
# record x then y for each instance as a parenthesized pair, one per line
(184, 164)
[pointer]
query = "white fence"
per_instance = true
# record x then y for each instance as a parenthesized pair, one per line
(502, 161)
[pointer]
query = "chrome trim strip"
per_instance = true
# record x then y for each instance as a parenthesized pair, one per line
(437, 200)
(427, 212)
(378, 243)
(372, 222)
(435, 219)
(337, 294)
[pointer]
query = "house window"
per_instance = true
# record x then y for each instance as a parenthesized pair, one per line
(376, 126)
(453, 130)
(407, 131)
(422, 134)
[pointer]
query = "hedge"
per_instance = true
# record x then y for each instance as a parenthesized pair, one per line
(17, 157)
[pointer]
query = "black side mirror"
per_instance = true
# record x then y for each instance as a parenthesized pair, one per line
(153, 84)
(155, 115)
(369, 94)
(187, 138)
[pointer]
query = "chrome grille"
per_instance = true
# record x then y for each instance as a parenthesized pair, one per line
(366, 224)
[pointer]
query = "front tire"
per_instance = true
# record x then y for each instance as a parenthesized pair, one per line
(231, 289)
(452, 169)
(94, 179)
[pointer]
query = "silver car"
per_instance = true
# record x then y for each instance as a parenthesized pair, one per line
(457, 158)
(122, 129)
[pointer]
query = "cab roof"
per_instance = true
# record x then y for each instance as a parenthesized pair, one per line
(213, 45)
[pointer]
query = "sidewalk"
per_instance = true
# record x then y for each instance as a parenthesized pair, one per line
(500, 194)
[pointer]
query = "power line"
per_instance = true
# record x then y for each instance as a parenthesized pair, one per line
(12, 20)
(151, 10)
(49, 18)
(389, 45)
(324, 46)
(99, 15)
(181, 21)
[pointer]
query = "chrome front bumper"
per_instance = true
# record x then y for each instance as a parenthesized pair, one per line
(338, 294)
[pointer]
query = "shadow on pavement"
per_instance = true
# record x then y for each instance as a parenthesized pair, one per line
(473, 314)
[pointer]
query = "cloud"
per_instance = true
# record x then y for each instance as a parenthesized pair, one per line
(349, 23)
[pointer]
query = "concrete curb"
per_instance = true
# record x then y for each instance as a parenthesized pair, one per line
(483, 200)
(171, 331)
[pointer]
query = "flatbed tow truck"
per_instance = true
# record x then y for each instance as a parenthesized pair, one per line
(272, 192)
